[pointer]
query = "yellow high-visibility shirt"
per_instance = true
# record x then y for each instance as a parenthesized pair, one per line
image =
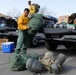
(32, 9)
(23, 22)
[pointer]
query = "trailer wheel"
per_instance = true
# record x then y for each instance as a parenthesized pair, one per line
(34, 42)
(50, 46)
(70, 45)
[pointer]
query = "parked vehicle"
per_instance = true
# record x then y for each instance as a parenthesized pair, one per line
(57, 36)
(60, 34)
(9, 29)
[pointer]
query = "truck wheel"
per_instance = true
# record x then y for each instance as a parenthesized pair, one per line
(70, 45)
(34, 42)
(50, 46)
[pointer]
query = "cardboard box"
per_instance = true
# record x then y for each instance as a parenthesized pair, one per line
(63, 19)
(2, 40)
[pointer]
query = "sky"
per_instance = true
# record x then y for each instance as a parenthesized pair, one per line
(58, 7)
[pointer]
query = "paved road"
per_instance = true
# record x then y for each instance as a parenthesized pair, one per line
(69, 67)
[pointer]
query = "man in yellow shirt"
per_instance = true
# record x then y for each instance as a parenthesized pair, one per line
(23, 37)
(34, 8)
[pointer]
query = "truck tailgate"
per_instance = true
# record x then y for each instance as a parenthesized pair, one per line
(58, 31)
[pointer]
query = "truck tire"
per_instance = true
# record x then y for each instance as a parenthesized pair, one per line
(70, 45)
(50, 46)
(33, 43)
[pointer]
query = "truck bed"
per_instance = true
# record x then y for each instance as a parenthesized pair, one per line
(8, 28)
(59, 31)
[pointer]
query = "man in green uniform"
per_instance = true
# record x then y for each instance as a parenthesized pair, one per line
(23, 37)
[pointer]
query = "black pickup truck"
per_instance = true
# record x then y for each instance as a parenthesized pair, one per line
(8, 29)
(53, 36)
(58, 36)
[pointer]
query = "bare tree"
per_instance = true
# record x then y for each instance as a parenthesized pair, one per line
(45, 11)
(14, 13)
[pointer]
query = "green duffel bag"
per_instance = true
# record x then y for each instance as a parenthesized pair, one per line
(35, 23)
(18, 62)
(57, 65)
(34, 65)
(36, 7)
